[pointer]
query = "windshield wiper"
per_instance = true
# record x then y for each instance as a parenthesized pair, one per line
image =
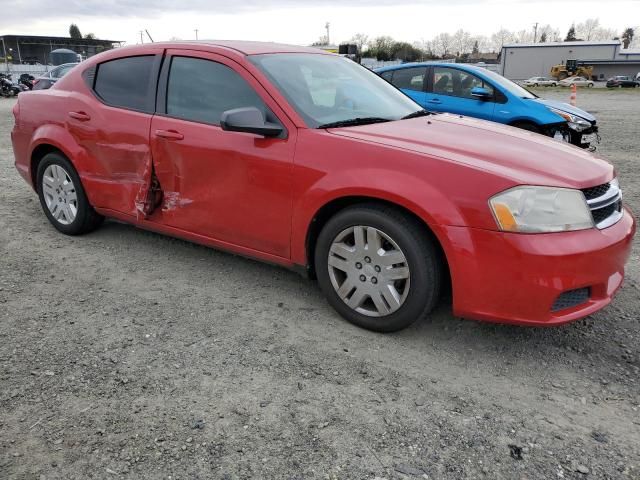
(353, 122)
(419, 113)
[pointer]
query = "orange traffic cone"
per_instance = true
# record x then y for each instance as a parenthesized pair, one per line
(572, 98)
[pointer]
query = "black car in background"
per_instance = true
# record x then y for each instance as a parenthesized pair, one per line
(622, 81)
(48, 79)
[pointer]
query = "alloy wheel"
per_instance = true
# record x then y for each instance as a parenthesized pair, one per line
(369, 271)
(60, 194)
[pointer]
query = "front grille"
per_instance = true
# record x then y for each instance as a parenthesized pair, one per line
(571, 298)
(601, 214)
(605, 203)
(595, 192)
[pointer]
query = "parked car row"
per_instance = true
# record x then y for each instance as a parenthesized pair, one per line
(10, 88)
(477, 92)
(622, 81)
(305, 159)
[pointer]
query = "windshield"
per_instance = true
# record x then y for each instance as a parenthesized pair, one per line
(508, 85)
(329, 89)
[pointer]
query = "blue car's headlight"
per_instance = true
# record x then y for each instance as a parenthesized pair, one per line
(575, 122)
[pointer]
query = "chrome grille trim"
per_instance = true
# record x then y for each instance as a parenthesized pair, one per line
(612, 196)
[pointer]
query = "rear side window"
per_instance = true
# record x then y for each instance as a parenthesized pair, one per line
(410, 78)
(126, 82)
(201, 90)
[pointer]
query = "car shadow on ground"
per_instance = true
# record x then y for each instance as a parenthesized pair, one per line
(441, 330)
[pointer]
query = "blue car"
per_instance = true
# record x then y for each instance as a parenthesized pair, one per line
(478, 92)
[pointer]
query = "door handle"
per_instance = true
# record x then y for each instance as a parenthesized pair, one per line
(169, 134)
(434, 100)
(81, 116)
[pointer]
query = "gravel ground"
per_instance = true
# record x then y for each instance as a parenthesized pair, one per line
(126, 354)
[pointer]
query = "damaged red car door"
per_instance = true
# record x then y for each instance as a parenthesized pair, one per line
(217, 183)
(121, 170)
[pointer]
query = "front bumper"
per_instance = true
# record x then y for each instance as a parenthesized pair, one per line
(517, 278)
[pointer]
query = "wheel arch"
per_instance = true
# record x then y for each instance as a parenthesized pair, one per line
(53, 138)
(38, 153)
(334, 206)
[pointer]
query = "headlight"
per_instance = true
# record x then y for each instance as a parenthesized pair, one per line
(576, 123)
(541, 210)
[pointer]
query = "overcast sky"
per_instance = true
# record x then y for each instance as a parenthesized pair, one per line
(302, 21)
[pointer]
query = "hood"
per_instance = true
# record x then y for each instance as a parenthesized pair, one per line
(523, 157)
(565, 107)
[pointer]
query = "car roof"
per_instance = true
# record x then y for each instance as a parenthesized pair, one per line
(240, 46)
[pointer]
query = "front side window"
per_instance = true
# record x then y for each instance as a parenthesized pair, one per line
(456, 83)
(125, 82)
(325, 89)
(201, 90)
(410, 78)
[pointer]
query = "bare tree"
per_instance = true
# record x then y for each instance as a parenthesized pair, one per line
(442, 44)
(588, 29)
(500, 38)
(550, 34)
(462, 42)
(361, 40)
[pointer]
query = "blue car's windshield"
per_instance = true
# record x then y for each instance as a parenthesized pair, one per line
(328, 90)
(511, 87)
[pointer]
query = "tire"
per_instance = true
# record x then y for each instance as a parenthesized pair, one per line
(346, 271)
(590, 85)
(554, 84)
(535, 84)
(62, 196)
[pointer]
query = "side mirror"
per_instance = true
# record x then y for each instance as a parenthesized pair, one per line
(248, 120)
(481, 93)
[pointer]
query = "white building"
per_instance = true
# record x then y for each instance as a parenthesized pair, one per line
(520, 61)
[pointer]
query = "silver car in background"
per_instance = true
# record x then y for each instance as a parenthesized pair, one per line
(540, 82)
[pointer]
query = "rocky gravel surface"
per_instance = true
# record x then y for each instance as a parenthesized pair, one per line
(126, 354)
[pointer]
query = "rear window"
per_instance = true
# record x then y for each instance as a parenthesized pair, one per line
(410, 78)
(126, 82)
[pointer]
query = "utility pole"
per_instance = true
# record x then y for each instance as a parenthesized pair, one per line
(141, 36)
(196, 30)
(535, 32)
(327, 25)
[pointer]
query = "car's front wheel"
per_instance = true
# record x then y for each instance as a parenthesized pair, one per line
(63, 198)
(378, 267)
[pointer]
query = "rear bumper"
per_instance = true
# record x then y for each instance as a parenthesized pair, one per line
(517, 278)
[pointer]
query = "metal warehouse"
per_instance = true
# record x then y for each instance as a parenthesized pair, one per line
(520, 61)
(32, 49)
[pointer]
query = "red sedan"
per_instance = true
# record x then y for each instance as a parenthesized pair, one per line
(308, 160)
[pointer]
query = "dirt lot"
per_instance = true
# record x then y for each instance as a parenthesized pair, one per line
(125, 354)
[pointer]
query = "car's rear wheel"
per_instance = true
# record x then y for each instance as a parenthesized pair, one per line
(63, 198)
(590, 85)
(378, 267)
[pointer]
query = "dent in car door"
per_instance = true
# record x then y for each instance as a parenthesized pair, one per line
(112, 125)
(228, 186)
